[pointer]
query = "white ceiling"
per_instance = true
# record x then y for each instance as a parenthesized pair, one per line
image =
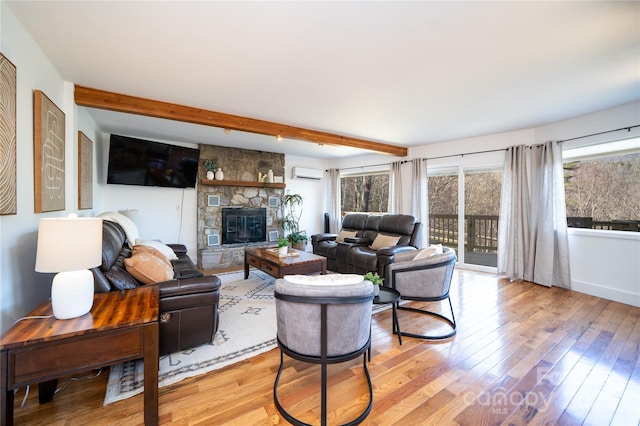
(405, 73)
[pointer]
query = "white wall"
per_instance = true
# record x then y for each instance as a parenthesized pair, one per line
(21, 288)
(313, 193)
(602, 121)
(606, 264)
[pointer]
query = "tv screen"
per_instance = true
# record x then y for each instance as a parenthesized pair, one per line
(139, 162)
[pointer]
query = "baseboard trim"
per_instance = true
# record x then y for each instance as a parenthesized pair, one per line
(608, 293)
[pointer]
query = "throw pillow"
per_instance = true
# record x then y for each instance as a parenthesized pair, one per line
(148, 269)
(384, 241)
(345, 234)
(137, 249)
(162, 248)
(429, 251)
(329, 279)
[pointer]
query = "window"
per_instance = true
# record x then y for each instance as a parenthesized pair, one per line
(602, 186)
(365, 192)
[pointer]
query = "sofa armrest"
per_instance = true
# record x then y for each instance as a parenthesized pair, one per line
(358, 241)
(393, 250)
(183, 287)
(178, 248)
(323, 237)
(387, 256)
(183, 268)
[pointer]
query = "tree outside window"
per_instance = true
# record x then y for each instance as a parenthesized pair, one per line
(368, 193)
(604, 192)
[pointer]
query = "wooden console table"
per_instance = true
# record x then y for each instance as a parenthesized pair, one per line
(122, 326)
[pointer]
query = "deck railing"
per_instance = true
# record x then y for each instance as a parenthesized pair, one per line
(480, 232)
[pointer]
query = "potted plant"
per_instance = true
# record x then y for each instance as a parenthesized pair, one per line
(291, 213)
(375, 279)
(298, 239)
(283, 247)
(210, 166)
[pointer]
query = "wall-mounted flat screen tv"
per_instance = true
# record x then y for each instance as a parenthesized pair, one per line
(140, 162)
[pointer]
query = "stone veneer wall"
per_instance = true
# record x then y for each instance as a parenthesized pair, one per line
(237, 165)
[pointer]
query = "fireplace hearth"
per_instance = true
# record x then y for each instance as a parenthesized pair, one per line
(244, 225)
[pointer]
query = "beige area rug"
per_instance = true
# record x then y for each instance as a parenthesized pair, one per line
(247, 328)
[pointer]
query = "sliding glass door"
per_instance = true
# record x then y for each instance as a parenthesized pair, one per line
(481, 210)
(443, 208)
(464, 205)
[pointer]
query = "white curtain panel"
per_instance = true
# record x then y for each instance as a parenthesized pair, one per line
(334, 201)
(532, 238)
(395, 188)
(420, 198)
(513, 235)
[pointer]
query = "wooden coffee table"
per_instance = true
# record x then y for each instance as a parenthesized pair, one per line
(303, 264)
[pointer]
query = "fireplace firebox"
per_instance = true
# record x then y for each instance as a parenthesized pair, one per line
(244, 225)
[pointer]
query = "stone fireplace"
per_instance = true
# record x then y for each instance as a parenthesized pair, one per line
(221, 244)
(244, 225)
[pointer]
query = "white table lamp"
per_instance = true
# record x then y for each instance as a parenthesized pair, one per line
(69, 246)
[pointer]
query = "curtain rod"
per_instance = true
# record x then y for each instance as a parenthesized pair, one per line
(463, 154)
(373, 165)
(627, 128)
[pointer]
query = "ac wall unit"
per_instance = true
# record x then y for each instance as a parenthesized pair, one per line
(305, 173)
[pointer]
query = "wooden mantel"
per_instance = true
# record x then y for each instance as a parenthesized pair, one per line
(243, 183)
(101, 99)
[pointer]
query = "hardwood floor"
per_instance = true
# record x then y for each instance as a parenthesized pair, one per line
(523, 354)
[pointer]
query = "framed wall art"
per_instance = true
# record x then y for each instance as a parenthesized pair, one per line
(85, 172)
(8, 180)
(48, 154)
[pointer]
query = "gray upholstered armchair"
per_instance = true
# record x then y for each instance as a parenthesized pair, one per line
(323, 320)
(427, 279)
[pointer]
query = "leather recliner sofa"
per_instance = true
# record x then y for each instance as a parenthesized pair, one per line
(355, 255)
(188, 304)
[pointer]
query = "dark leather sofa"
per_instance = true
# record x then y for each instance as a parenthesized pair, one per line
(354, 254)
(188, 305)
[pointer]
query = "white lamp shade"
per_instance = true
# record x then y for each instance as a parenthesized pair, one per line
(69, 244)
